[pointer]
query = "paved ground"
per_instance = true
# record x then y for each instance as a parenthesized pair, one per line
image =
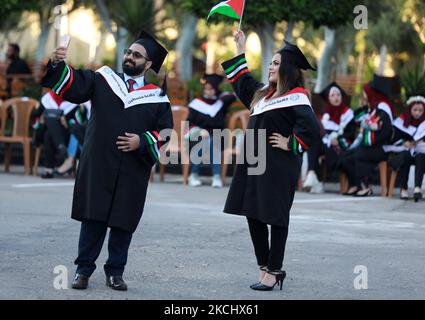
(186, 248)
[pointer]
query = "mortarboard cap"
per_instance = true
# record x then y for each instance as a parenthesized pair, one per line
(389, 86)
(214, 79)
(156, 52)
(292, 54)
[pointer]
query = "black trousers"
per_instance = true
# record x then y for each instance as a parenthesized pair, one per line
(92, 236)
(55, 136)
(402, 162)
(360, 162)
(270, 255)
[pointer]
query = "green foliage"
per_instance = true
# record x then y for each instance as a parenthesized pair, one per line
(413, 81)
(8, 7)
(108, 62)
(12, 9)
(331, 13)
(194, 86)
(133, 15)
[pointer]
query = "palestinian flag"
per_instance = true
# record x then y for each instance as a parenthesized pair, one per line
(230, 8)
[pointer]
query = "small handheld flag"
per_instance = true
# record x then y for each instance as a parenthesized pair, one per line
(231, 8)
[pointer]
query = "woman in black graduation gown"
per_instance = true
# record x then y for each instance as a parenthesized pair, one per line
(283, 111)
(208, 113)
(375, 132)
(339, 129)
(409, 145)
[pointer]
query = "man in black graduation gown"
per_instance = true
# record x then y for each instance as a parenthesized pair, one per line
(122, 143)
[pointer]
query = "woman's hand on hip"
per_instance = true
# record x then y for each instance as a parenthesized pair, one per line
(279, 141)
(130, 142)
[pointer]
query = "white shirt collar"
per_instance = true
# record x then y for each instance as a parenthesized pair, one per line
(140, 81)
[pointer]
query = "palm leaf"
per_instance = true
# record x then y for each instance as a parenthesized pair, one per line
(414, 81)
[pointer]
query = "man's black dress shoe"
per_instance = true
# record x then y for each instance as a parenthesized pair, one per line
(116, 283)
(80, 282)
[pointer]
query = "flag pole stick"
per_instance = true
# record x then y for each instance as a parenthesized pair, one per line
(240, 21)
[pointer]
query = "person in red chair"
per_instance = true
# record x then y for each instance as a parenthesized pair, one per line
(208, 113)
(409, 145)
(376, 131)
(339, 128)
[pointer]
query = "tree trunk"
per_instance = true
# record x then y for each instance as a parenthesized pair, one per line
(104, 15)
(324, 67)
(348, 48)
(360, 67)
(45, 27)
(382, 59)
(265, 33)
(184, 46)
(289, 31)
(99, 48)
(122, 35)
(211, 49)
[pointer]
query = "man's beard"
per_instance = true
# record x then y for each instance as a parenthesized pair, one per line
(134, 69)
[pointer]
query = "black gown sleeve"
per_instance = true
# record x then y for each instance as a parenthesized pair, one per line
(243, 82)
(381, 136)
(306, 131)
(152, 141)
(400, 135)
(76, 86)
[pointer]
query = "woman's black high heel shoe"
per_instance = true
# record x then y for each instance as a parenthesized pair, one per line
(61, 174)
(280, 276)
(367, 192)
(262, 268)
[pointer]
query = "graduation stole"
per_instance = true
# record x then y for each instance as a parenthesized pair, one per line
(205, 108)
(295, 97)
(420, 132)
(330, 125)
(410, 130)
(144, 95)
(386, 108)
(50, 103)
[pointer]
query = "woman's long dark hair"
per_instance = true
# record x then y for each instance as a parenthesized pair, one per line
(290, 77)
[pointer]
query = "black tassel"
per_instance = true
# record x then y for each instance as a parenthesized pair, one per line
(164, 87)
